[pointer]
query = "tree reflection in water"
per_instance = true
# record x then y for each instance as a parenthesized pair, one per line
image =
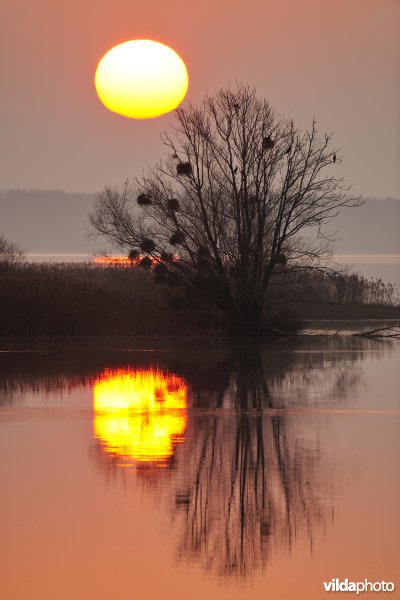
(252, 478)
(242, 462)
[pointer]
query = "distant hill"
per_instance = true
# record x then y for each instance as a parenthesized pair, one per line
(46, 221)
(57, 222)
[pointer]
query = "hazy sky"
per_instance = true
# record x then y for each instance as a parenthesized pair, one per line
(336, 59)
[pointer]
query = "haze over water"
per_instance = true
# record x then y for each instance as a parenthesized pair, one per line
(133, 471)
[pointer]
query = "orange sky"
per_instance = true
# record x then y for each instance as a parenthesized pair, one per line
(339, 60)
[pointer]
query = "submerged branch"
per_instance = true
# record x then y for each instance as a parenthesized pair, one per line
(390, 330)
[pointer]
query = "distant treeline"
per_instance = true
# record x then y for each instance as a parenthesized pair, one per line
(87, 300)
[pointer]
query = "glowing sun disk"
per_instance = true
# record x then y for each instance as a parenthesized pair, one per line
(141, 79)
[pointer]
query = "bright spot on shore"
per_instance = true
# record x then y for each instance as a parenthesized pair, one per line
(141, 79)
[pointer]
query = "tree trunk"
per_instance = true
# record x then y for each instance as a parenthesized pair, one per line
(245, 321)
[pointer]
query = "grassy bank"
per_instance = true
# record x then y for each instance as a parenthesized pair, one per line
(85, 300)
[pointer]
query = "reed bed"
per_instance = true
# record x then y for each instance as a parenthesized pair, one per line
(84, 300)
(90, 300)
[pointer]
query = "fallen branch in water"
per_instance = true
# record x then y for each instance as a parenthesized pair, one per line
(390, 330)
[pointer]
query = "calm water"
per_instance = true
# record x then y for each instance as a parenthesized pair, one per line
(209, 472)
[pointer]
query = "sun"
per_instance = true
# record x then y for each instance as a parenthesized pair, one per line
(141, 79)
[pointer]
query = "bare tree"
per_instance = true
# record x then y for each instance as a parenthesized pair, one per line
(10, 253)
(231, 210)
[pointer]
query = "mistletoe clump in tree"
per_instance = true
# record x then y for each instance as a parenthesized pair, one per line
(233, 207)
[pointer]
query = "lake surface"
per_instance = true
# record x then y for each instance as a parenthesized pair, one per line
(198, 470)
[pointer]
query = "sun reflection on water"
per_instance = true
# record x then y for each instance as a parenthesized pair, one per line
(140, 415)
